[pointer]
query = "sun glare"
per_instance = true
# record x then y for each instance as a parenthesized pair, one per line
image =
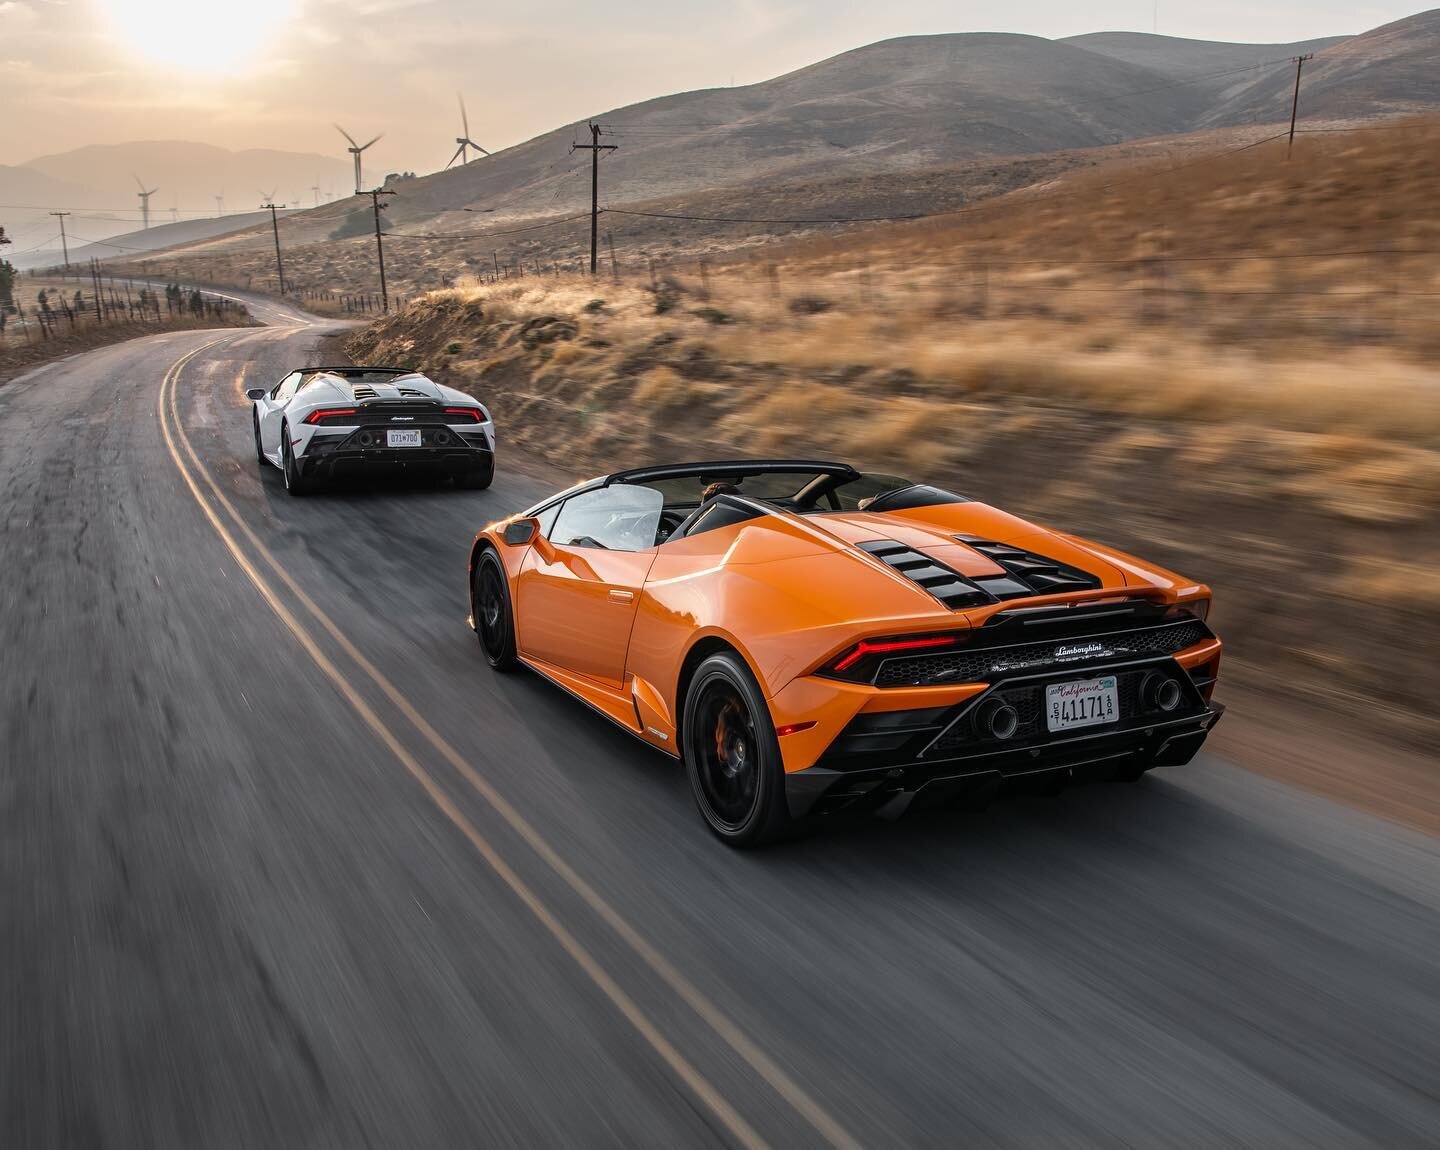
(190, 36)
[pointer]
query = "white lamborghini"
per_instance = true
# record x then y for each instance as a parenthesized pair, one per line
(324, 422)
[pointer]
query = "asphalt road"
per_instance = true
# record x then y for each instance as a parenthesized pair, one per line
(282, 863)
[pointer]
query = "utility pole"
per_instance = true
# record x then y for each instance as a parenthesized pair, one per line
(594, 147)
(95, 281)
(379, 246)
(64, 247)
(275, 227)
(1295, 103)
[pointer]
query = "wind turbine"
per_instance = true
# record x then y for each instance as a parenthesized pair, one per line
(219, 205)
(316, 189)
(355, 149)
(144, 201)
(464, 141)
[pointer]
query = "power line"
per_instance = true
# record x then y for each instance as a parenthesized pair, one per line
(999, 201)
(35, 247)
(1196, 79)
(757, 220)
(488, 234)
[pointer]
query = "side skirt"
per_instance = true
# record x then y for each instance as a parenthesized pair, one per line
(616, 706)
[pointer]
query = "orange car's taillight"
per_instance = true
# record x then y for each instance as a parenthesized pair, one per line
(858, 662)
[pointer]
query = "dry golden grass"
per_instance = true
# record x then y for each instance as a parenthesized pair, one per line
(1105, 366)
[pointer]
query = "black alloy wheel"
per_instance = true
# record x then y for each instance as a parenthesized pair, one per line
(295, 483)
(732, 755)
(490, 611)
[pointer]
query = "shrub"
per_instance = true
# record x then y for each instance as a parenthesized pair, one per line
(713, 315)
(810, 305)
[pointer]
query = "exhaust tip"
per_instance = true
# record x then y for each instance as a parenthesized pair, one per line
(998, 720)
(1160, 692)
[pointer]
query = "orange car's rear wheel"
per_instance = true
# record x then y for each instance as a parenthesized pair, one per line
(732, 756)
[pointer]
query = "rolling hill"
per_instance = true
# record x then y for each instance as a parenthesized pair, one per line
(910, 105)
(1391, 70)
(137, 245)
(1210, 66)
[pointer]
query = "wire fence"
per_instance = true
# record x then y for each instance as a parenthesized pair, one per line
(42, 310)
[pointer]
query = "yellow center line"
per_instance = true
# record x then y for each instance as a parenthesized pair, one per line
(631, 1011)
(758, 1060)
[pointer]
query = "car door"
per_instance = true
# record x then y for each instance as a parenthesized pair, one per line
(272, 412)
(578, 590)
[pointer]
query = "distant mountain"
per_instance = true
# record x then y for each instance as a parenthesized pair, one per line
(136, 245)
(28, 186)
(911, 103)
(904, 102)
(922, 100)
(191, 174)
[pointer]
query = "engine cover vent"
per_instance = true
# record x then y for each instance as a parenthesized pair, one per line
(950, 587)
(1027, 573)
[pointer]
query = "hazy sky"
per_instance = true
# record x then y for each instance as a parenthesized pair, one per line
(275, 73)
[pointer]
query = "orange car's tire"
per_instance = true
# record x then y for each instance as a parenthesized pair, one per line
(732, 756)
(490, 608)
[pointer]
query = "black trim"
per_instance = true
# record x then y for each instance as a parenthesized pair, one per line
(349, 369)
(729, 469)
(721, 511)
(982, 659)
(1139, 717)
(948, 735)
(338, 456)
(916, 495)
(890, 786)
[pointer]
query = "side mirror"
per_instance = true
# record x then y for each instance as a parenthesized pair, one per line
(256, 392)
(522, 531)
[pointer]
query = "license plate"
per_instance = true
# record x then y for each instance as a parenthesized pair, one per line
(1083, 703)
(402, 438)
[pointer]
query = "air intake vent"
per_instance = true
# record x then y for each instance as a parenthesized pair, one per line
(366, 393)
(1027, 573)
(412, 393)
(950, 587)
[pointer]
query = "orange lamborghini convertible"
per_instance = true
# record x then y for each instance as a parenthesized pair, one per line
(809, 639)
